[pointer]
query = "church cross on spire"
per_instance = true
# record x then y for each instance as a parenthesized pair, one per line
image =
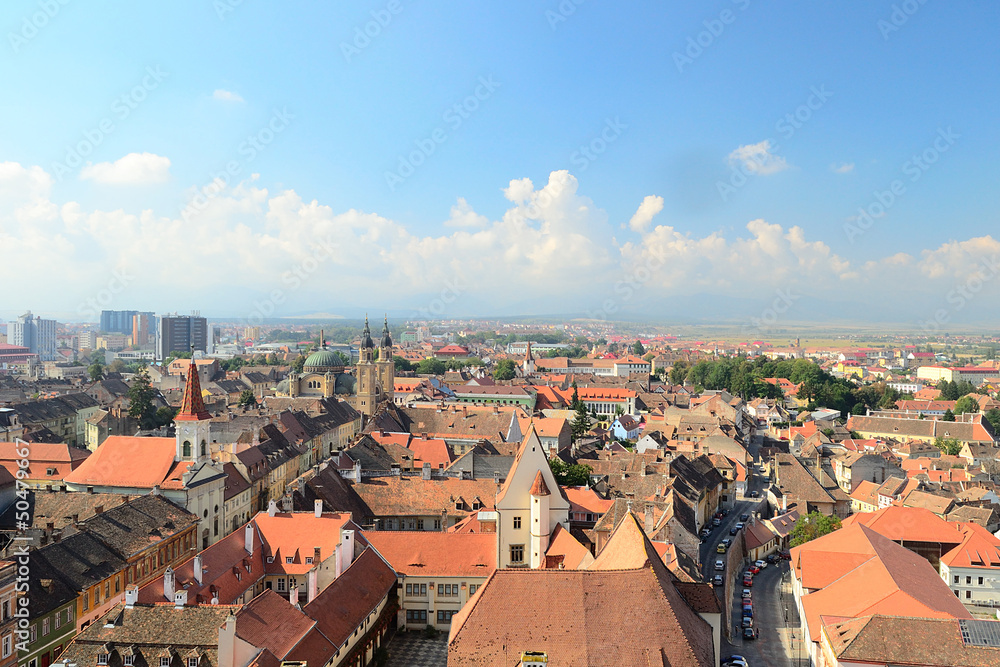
(192, 405)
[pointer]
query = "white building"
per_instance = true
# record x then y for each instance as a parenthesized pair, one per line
(972, 569)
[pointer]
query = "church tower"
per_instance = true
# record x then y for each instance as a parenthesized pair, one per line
(193, 422)
(368, 387)
(385, 367)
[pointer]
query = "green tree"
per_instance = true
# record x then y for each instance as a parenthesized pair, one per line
(581, 422)
(247, 399)
(401, 364)
(140, 396)
(96, 372)
(431, 367)
(117, 366)
(950, 446)
(570, 475)
(993, 417)
(297, 365)
(949, 416)
(505, 370)
(679, 371)
(966, 404)
(811, 526)
(638, 349)
(165, 415)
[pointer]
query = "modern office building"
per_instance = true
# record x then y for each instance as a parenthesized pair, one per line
(34, 333)
(177, 333)
(121, 321)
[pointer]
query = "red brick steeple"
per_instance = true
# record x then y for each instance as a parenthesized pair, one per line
(193, 406)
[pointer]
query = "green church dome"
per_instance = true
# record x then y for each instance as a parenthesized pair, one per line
(323, 358)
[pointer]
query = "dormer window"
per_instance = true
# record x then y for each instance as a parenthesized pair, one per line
(102, 658)
(289, 560)
(128, 660)
(164, 661)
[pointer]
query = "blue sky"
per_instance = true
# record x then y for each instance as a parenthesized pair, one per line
(348, 109)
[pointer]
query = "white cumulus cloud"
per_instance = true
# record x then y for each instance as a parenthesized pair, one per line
(843, 168)
(647, 210)
(226, 95)
(758, 159)
(133, 169)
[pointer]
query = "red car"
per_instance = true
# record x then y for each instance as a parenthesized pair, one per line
(753, 569)
(747, 582)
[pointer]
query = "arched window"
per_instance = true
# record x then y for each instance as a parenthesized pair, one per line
(204, 448)
(187, 448)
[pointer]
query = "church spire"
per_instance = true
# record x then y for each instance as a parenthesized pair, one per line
(192, 405)
(366, 336)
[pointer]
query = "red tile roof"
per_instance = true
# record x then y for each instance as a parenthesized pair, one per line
(912, 524)
(436, 554)
(979, 548)
(538, 487)
(295, 535)
(129, 461)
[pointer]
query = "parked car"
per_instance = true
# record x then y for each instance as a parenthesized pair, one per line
(725, 512)
(747, 582)
(747, 622)
(748, 633)
(718, 515)
(727, 541)
(785, 555)
(747, 595)
(740, 525)
(754, 494)
(744, 517)
(747, 613)
(735, 661)
(771, 558)
(753, 569)
(717, 580)
(734, 530)
(761, 564)
(719, 566)
(716, 521)
(721, 549)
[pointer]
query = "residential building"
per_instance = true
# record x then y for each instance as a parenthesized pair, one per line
(437, 572)
(8, 605)
(48, 464)
(920, 642)
(34, 333)
(626, 427)
(972, 569)
(66, 416)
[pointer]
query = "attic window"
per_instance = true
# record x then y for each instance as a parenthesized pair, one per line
(128, 660)
(102, 658)
(309, 560)
(270, 559)
(289, 560)
(50, 471)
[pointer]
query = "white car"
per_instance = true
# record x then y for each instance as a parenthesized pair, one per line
(761, 564)
(719, 566)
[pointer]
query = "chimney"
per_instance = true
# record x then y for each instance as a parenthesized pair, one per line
(423, 436)
(293, 596)
(357, 471)
(199, 574)
(272, 508)
(131, 595)
(180, 599)
(496, 477)
(99, 509)
(311, 585)
(346, 548)
(50, 526)
(317, 552)
(168, 583)
(426, 471)
(784, 503)
(76, 519)
(648, 516)
(318, 508)
(227, 642)
(248, 538)
(286, 503)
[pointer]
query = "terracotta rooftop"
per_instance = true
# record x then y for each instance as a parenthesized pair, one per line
(979, 548)
(436, 554)
(891, 640)
(538, 487)
(132, 462)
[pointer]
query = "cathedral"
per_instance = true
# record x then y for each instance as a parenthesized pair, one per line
(324, 374)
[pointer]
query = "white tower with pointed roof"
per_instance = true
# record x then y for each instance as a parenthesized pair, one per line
(530, 504)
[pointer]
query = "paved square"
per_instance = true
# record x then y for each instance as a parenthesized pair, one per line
(411, 649)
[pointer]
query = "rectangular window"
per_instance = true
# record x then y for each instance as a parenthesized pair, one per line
(409, 589)
(517, 523)
(437, 524)
(444, 616)
(968, 594)
(102, 658)
(968, 581)
(517, 553)
(956, 578)
(980, 581)
(473, 588)
(420, 524)
(192, 662)
(423, 589)
(164, 662)
(45, 626)
(58, 618)
(416, 616)
(281, 583)
(128, 660)
(7, 645)
(288, 560)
